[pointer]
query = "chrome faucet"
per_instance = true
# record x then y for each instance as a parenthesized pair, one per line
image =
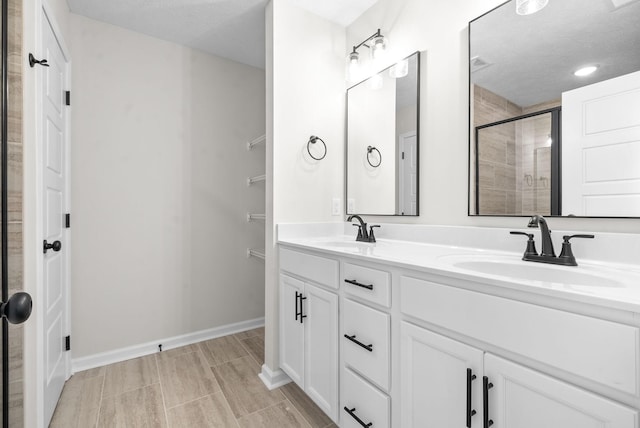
(363, 234)
(548, 255)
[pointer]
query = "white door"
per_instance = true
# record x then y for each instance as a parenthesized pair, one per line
(291, 329)
(408, 174)
(601, 148)
(435, 374)
(523, 398)
(54, 296)
(321, 348)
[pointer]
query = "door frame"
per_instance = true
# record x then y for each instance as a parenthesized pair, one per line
(36, 15)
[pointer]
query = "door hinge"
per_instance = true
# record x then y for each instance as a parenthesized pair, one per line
(67, 220)
(67, 343)
(402, 155)
(67, 98)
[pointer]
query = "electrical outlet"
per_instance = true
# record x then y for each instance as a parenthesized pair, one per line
(335, 206)
(351, 206)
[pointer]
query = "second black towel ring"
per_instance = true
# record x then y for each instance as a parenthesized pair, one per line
(312, 140)
(369, 150)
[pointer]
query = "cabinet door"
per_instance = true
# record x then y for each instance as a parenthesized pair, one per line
(434, 381)
(291, 329)
(321, 370)
(524, 398)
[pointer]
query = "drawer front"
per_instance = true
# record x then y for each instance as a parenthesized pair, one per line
(369, 284)
(602, 351)
(363, 402)
(366, 349)
(318, 269)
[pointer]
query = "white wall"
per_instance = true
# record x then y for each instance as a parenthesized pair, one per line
(159, 194)
(305, 96)
(440, 29)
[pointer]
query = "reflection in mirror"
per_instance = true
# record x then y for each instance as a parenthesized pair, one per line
(382, 141)
(591, 149)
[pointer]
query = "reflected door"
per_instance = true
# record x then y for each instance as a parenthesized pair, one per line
(601, 149)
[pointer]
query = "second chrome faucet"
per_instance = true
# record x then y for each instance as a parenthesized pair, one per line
(363, 234)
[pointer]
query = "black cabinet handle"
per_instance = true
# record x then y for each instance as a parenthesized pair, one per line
(470, 412)
(486, 386)
(302, 315)
(352, 413)
(297, 310)
(55, 246)
(354, 282)
(357, 342)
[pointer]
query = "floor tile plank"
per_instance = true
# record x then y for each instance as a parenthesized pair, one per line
(281, 415)
(307, 408)
(212, 411)
(79, 403)
(140, 408)
(185, 378)
(129, 375)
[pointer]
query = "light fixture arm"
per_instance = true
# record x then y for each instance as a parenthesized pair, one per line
(364, 42)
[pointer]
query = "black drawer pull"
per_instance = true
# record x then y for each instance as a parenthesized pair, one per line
(356, 283)
(352, 412)
(486, 386)
(470, 412)
(357, 342)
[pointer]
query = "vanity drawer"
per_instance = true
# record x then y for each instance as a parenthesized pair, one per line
(318, 269)
(366, 342)
(369, 284)
(602, 351)
(363, 402)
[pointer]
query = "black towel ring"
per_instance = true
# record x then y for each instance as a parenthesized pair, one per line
(312, 140)
(369, 150)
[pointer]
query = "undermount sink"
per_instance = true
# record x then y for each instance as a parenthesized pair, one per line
(528, 271)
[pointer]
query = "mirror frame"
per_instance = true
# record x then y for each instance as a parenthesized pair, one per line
(471, 132)
(346, 138)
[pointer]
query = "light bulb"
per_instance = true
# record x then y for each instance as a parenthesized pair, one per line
(400, 69)
(353, 69)
(378, 46)
(528, 7)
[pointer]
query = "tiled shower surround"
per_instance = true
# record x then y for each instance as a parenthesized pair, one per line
(14, 173)
(514, 158)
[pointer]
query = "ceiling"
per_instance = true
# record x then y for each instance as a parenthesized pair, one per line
(531, 59)
(231, 29)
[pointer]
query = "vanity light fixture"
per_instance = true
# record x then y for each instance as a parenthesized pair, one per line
(585, 71)
(529, 7)
(378, 45)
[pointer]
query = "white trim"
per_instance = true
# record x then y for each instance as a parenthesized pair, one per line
(148, 348)
(273, 379)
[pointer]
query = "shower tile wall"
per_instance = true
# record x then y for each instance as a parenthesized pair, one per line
(497, 158)
(14, 173)
(514, 159)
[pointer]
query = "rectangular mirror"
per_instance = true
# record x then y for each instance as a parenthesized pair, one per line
(383, 141)
(547, 137)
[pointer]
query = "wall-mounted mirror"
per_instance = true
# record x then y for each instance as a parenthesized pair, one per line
(383, 143)
(546, 136)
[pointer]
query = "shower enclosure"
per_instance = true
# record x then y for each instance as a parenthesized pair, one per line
(518, 165)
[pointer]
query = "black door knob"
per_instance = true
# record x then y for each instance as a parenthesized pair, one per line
(56, 246)
(17, 309)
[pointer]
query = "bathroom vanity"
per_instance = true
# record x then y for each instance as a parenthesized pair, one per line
(427, 329)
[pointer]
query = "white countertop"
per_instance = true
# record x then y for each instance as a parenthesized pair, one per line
(606, 284)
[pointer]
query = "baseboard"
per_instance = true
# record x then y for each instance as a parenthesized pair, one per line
(135, 351)
(273, 379)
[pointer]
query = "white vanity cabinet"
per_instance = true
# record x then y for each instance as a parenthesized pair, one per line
(391, 344)
(309, 328)
(441, 380)
(523, 398)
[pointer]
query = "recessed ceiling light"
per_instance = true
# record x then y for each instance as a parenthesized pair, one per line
(585, 71)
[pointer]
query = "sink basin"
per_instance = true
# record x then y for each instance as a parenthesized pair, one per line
(528, 271)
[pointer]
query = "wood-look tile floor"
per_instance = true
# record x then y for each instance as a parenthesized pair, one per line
(209, 384)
